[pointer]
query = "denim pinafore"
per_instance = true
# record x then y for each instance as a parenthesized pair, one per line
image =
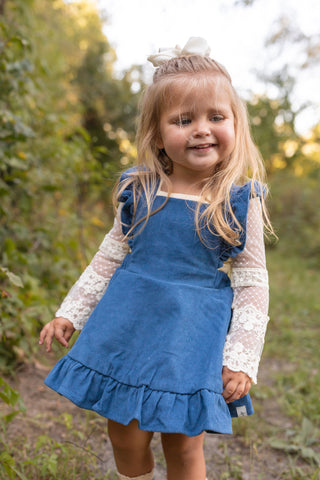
(152, 348)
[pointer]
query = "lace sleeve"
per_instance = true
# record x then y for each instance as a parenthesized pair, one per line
(88, 290)
(249, 279)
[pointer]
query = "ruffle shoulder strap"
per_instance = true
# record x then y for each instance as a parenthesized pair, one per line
(126, 198)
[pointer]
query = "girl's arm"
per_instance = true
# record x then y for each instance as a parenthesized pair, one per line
(88, 290)
(249, 279)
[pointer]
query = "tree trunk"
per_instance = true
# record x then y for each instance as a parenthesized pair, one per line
(2, 2)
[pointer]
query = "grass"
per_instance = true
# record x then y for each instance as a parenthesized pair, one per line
(281, 441)
(293, 335)
(291, 358)
(42, 457)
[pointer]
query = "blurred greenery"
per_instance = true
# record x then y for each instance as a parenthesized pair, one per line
(67, 125)
(62, 141)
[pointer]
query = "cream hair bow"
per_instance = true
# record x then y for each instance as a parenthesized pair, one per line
(194, 46)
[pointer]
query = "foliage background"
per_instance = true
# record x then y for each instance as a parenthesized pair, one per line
(67, 127)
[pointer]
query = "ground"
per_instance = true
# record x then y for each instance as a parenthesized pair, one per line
(246, 455)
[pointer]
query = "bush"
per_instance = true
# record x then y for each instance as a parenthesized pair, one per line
(295, 213)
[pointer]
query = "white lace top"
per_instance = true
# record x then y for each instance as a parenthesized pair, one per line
(249, 280)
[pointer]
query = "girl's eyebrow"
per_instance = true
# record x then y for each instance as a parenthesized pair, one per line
(183, 114)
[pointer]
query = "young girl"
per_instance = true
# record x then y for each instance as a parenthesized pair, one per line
(173, 344)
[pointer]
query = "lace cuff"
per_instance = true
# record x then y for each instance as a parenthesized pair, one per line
(245, 340)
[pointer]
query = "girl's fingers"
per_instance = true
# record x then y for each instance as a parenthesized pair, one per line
(49, 336)
(229, 390)
(248, 386)
(59, 328)
(60, 335)
(235, 395)
(235, 384)
(68, 333)
(43, 334)
(238, 393)
(46, 336)
(234, 391)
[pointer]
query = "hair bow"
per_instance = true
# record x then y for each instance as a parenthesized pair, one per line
(194, 46)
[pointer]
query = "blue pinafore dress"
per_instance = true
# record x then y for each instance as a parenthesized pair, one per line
(152, 348)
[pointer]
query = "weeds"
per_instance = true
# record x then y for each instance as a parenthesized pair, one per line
(300, 442)
(232, 467)
(14, 405)
(292, 343)
(46, 458)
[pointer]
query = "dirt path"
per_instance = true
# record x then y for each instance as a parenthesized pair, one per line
(227, 457)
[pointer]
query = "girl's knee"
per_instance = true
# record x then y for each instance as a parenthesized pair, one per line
(128, 437)
(182, 446)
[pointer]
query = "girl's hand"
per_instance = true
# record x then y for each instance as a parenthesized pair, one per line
(60, 328)
(235, 384)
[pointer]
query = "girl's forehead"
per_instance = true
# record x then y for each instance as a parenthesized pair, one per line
(191, 93)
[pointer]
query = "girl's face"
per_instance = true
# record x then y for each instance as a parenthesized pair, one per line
(197, 131)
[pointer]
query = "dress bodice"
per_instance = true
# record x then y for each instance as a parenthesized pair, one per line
(169, 248)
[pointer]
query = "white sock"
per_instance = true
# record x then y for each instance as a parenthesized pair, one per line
(146, 476)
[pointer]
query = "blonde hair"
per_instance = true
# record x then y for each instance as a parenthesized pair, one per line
(194, 72)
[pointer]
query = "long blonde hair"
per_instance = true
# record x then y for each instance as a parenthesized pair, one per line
(153, 167)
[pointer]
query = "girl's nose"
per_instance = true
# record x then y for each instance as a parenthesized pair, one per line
(201, 129)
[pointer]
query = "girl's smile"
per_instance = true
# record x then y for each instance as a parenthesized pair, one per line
(197, 133)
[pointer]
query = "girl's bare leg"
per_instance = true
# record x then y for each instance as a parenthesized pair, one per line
(184, 456)
(131, 448)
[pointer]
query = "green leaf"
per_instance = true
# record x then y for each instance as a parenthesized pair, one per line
(278, 444)
(17, 163)
(14, 279)
(6, 459)
(307, 429)
(8, 418)
(9, 395)
(310, 454)
(52, 463)
(19, 474)
(8, 464)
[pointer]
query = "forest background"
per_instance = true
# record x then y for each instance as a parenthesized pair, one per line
(67, 126)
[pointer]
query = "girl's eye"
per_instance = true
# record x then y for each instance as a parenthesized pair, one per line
(181, 122)
(217, 118)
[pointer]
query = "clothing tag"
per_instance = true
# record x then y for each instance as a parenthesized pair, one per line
(242, 411)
